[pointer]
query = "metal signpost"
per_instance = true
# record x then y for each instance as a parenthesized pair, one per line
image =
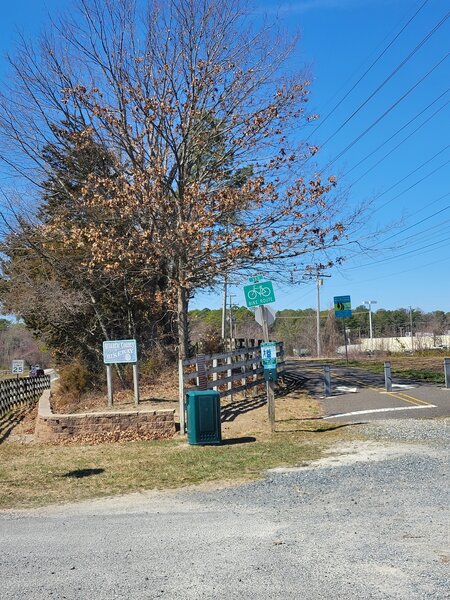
(388, 376)
(342, 310)
(257, 295)
(17, 367)
(120, 352)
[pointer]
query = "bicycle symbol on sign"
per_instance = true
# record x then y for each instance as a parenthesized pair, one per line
(261, 292)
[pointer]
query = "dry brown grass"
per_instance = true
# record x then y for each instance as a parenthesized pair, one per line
(36, 475)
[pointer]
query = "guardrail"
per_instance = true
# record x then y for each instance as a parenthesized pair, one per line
(23, 390)
(221, 371)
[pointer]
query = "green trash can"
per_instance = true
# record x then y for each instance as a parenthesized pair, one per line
(203, 417)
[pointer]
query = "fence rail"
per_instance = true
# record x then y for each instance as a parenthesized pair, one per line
(222, 371)
(24, 390)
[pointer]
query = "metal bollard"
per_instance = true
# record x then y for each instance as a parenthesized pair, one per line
(388, 376)
(327, 380)
(447, 372)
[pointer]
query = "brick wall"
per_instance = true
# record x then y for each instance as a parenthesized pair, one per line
(102, 427)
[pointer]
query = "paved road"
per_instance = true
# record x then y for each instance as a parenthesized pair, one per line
(359, 395)
(371, 522)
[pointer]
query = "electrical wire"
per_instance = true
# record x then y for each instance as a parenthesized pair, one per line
(419, 222)
(367, 71)
(386, 112)
(413, 185)
(381, 194)
(395, 134)
(389, 77)
(393, 258)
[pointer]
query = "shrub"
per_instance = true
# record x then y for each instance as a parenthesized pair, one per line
(155, 363)
(75, 378)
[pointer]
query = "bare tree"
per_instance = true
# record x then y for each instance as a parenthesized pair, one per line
(204, 124)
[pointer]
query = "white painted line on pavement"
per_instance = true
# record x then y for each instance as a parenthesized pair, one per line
(378, 410)
(403, 386)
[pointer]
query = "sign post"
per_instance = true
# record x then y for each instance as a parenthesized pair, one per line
(120, 352)
(342, 310)
(258, 294)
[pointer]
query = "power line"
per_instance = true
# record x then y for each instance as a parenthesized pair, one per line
(395, 134)
(415, 269)
(390, 76)
(411, 172)
(419, 222)
(437, 229)
(386, 112)
(413, 185)
(376, 262)
(368, 69)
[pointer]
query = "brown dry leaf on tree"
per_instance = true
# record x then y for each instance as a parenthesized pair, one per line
(166, 152)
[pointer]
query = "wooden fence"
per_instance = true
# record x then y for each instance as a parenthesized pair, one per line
(230, 372)
(23, 390)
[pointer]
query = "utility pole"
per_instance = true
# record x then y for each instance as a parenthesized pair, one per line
(319, 281)
(370, 302)
(224, 307)
(230, 316)
(411, 328)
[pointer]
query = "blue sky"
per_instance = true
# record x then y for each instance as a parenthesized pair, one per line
(408, 184)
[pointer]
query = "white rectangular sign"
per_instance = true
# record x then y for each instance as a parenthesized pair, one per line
(119, 351)
(17, 367)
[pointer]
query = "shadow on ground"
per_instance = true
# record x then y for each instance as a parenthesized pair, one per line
(234, 441)
(230, 412)
(321, 428)
(80, 473)
(9, 421)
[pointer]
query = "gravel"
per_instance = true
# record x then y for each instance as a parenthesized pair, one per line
(432, 431)
(370, 521)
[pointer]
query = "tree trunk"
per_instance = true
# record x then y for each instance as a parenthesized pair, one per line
(183, 329)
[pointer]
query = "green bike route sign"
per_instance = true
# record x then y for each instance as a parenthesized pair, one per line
(259, 293)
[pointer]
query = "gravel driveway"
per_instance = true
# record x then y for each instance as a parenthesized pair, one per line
(371, 521)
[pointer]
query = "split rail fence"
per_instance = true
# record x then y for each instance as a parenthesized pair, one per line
(228, 373)
(23, 390)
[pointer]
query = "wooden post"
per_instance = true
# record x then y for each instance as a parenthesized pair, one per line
(181, 396)
(136, 383)
(109, 384)
(215, 374)
(270, 385)
(229, 374)
(245, 357)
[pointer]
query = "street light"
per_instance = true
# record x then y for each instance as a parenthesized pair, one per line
(370, 302)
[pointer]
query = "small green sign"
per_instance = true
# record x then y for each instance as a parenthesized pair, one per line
(342, 307)
(259, 293)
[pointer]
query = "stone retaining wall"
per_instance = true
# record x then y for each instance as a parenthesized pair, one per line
(101, 427)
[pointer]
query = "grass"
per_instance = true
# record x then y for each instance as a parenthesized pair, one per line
(40, 475)
(416, 367)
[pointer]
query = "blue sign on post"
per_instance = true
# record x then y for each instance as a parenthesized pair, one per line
(342, 307)
(120, 352)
